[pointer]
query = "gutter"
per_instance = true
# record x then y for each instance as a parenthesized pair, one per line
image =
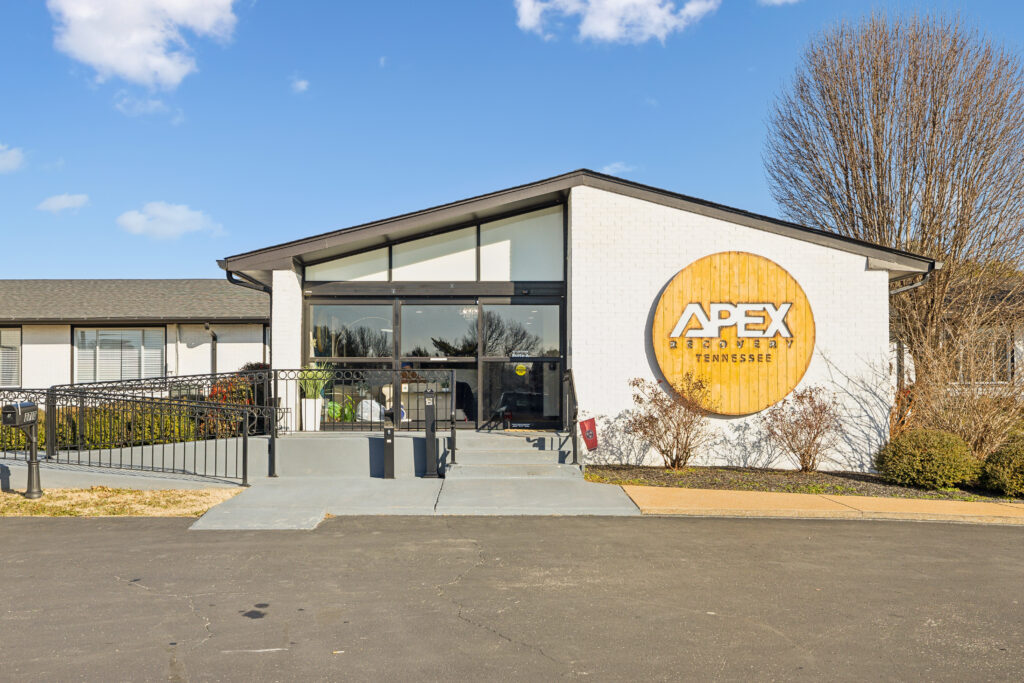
(932, 267)
(246, 281)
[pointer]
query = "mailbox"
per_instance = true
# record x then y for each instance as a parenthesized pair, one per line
(24, 414)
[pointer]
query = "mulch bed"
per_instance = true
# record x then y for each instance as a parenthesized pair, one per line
(781, 481)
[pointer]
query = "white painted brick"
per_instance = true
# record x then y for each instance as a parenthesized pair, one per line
(624, 251)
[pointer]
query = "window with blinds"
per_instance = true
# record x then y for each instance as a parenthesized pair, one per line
(10, 357)
(110, 354)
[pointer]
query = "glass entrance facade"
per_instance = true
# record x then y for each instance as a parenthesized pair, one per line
(507, 356)
(483, 299)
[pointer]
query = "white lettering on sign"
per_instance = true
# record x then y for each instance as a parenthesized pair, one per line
(722, 315)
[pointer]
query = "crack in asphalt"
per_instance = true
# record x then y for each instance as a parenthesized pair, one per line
(189, 597)
(481, 560)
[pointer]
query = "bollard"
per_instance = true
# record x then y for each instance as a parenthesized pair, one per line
(430, 429)
(389, 452)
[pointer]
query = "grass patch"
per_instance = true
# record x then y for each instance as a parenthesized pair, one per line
(779, 481)
(103, 501)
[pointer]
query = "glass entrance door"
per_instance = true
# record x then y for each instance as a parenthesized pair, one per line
(522, 394)
(437, 335)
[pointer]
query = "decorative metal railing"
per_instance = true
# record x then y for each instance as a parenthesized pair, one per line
(123, 431)
(158, 412)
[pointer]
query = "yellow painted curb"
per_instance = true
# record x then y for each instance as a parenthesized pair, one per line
(659, 500)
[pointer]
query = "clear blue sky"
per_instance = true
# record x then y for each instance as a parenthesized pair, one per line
(151, 140)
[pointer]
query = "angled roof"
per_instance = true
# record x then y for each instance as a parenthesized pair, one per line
(101, 301)
(523, 197)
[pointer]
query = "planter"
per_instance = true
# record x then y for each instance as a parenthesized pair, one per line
(311, 411)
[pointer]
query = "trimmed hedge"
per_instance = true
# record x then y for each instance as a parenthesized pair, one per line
(1004, 469)
(109, 426)
(928, 458)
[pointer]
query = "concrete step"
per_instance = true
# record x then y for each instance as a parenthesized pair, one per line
(503, 441)
(522, 471)
(512, 457)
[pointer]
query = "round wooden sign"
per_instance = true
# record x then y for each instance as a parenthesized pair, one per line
(741, 322)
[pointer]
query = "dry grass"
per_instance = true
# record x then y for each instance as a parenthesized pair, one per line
(103, 501)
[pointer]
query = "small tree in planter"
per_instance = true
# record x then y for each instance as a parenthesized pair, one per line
(673, 419)
(804, 426)
(312, 382)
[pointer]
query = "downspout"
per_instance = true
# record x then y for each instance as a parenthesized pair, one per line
(213, 348)
(252, 283)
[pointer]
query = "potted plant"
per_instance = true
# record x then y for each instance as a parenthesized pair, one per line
(312, 381)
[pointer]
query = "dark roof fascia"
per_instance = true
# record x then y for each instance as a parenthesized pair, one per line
(281, 255)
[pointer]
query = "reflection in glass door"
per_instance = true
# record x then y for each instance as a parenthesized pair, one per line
(436, 336)
(521, 394)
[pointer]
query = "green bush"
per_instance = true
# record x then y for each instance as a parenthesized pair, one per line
(1004, 469)
(928, 458)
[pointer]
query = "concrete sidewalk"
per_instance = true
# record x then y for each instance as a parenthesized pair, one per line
(656, 500)
(303, 502)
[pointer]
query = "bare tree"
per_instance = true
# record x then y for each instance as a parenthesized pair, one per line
(910, 133)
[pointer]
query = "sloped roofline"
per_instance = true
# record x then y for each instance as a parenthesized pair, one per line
(284, 255)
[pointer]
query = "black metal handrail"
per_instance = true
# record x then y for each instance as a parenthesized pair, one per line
(571, 413)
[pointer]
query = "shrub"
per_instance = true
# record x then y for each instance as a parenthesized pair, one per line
(928, 458)
(804, 426)
(1004, 469)
(673, 420)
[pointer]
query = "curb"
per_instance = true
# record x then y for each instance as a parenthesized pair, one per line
(662, 501)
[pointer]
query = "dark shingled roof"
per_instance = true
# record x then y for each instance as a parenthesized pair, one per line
(191, 300)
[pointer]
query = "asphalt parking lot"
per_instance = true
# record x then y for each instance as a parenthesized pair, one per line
(511, 598)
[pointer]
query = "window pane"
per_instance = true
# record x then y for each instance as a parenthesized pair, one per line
(351, 331)
(527, 247)
(449, 257)
(153, 352)
(131, 354)
(10, 357)
(448, 331)
(85, 349)
(108, 355)
(521, 330)
(371, 266)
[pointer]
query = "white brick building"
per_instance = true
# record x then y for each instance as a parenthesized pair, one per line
(513, 288)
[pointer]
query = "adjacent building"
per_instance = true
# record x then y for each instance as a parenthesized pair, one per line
(72, 331)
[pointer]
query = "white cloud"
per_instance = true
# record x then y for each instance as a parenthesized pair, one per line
(11, 158)
(617, 168)
(138, 40)
(299, 84)
(63, 202)
(615, 21)
(776, 3)
(383, 62)
(167, 221)
(136, 106)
